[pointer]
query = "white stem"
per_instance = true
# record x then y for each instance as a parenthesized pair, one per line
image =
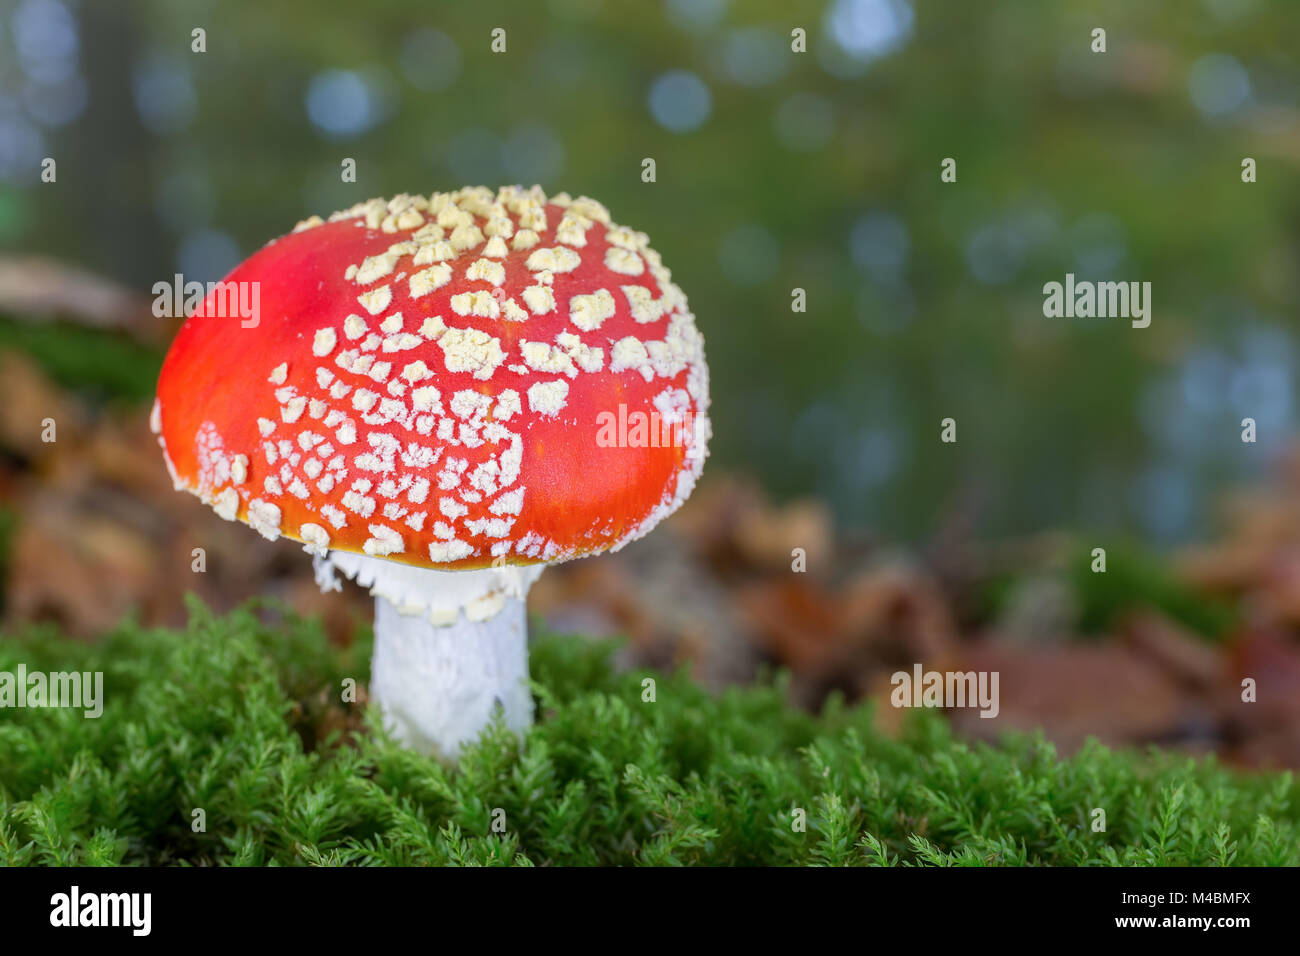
(439, 687)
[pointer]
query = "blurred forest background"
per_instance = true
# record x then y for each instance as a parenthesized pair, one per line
(775, 170)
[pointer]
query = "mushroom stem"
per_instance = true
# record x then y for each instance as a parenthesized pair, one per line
(438, 687)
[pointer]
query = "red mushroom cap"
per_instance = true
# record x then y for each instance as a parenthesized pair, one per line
(470, 379)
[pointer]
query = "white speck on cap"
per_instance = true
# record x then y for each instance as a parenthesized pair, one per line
(264, 517)
(481, 303)
(354, 326)
(293, 410)
(358, 503)
(645, 307)
(409, 219)
(630, 353)
(323, 342)
(587, 312)
(439, 251)
(587, 358)
(450, 215)
(554, 259)
(524, 239)
(499, 227)
(513, 312)
(548, 398)
(376, 300)
(508, 503)
(533, 218)
(623, 261)
(430, 280)
(507, 405)
(227, 504)
(541, 357)
(625, 238)
(445, 552)
(385, 541)
(452, 508)
(465, 236)
(486, 270)
(402, 342)
(490, 527)
(427, 399)
(571, 232)
(471, 350)
(336, 516)
(316, 540)
(374, 268)
(539, 299)
(416, 371)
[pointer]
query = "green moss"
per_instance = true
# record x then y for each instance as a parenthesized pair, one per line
(1135, 578)
(101, 362)
(227, 716)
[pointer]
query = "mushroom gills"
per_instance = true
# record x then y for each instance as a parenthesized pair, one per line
(441, 596)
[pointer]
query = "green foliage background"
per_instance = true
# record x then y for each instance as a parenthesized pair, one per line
(1062, 155)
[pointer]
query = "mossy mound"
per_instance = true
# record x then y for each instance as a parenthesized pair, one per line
(243, 719)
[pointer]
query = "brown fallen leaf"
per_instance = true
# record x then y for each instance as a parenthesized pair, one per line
(1264, 732)
(27, 399)
(1074, 692)
(1182, 654)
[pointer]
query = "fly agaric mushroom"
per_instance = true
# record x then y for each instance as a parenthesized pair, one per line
(439, 397)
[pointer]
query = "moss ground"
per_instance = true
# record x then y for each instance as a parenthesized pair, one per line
(241, 717)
